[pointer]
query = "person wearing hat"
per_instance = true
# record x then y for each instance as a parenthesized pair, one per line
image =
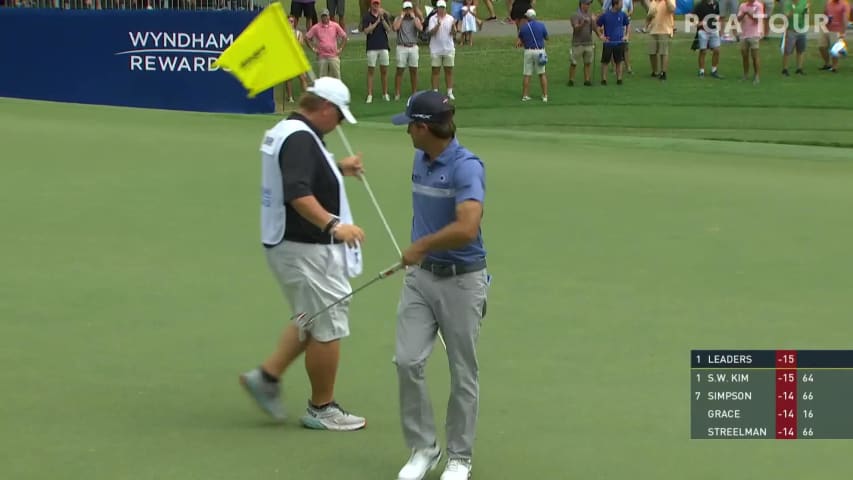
(376, 24)
(583, 49)
(324, 39)
(532, 34)
(407, 25)
(445, 291)
(442, 46)
(312, 248)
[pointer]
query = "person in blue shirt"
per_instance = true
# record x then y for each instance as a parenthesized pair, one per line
(613, 29)
(445, 288)
(532, 35)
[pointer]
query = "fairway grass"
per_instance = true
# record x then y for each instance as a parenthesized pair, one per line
(133, 291)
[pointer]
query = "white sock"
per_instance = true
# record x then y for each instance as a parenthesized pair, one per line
(701, 70)
(713, 69)
(450, 91)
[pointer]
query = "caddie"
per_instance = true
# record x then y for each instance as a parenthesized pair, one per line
(312, 247)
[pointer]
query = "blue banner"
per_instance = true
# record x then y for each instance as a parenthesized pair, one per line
(153, 59)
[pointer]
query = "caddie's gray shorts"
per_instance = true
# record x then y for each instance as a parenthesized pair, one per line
(312, 276)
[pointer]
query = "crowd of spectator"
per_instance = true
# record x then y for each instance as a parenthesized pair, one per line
(447, 24)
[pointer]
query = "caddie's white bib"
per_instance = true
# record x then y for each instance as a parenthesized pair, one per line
(273, 212)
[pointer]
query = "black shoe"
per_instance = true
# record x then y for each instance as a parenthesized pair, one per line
(800, 71)
(604, 82)
(826, 67)
(663, 76)
(618, 81)
(571, 83)
(785, 72)
(833, 70)
(655, 75)
(587, 83)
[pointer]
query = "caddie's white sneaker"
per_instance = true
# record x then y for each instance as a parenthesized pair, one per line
(422, 461)
(369, 99)
(332, 417)
(457, 469)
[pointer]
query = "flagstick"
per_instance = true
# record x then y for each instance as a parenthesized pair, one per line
(363, 179)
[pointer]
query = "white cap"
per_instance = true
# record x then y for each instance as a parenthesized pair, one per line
(407, 4)
(530, 13)
(334, 91)
(440, 3)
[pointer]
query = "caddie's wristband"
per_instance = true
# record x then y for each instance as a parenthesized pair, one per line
(329, 226)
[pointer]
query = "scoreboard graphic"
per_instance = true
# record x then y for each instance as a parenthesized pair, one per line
(771, 394)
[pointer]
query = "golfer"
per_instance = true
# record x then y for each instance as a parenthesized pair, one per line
(445, 291)
(311, 246)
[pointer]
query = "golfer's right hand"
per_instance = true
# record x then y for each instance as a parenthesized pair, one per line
(349, 234)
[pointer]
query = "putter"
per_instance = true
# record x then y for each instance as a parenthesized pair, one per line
(304, 321)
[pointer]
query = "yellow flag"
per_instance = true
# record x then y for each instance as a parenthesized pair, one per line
(266, 53)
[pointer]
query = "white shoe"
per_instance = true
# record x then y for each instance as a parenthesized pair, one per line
(450, 96)
(332, 417)
(422, 461)
(396, 98)
(545, 99)
(457, 469)
(369, 99)
(386, 98)
(525, 98)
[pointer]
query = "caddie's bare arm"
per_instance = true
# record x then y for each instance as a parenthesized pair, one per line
(310, 209)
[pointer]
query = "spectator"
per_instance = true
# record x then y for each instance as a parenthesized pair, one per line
(582, 46)
(376, 24)
(795, 35)
(324, 38)
(303, 79)
(518, 9)
(614, 28)
(661, 20)
(491, 8)
(708, 13)
(749, 15)
(442, 50)
(728, 9)
(363, 7)
(407, 25)
(337, 8)
(628, 8)
(837, 11)
(470, 23)
(532, 34)
(298, 8)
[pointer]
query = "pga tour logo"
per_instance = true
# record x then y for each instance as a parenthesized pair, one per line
(175, 51)
(777, 23)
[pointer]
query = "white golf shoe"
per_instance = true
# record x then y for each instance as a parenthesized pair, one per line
(457, 469)
(422, 461)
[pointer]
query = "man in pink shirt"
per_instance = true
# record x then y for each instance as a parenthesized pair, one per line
(750, 15)
(323, 38)
(838, 11)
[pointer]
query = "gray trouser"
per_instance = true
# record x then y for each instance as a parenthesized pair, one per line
(455, 306)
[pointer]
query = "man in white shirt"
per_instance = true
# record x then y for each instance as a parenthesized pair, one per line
(442, 49)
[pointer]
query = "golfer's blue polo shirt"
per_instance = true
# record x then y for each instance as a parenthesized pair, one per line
(455, 176)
